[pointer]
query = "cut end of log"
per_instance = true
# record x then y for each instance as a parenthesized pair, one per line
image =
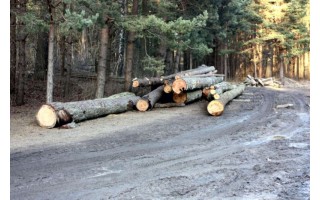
(180, 98)
(215, 108)
(135, 83)
(167, 88)
(142, 105)
(178, 86)
(47, 117)
(206, 91)
(216, 96)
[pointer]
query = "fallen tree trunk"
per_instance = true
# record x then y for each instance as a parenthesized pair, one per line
(192, 83)
(216, 107)
(187, 97)
(148, 100)
(160, 80)
(59, 113)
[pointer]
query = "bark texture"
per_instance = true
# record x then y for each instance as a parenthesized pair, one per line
(58, 113)
(101, 74)
(191, 83)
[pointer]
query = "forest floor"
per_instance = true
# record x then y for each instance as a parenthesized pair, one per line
(252, 151)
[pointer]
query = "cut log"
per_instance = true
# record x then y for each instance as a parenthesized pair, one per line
(58, 113)
(216, 107)
(167, 86)
(147, 82)
(219, 89)
(160, 80)
(197, 71)
(168, 105)
(195, 74)
(147, 101)
(250, 81)
(259, 81)
(192, 83)
(187, 97)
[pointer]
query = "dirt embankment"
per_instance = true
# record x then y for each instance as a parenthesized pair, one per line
(253, 151)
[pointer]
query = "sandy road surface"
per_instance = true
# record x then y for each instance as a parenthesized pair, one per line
(253, 151)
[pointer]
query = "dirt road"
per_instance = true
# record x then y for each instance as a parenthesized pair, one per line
(252, 151)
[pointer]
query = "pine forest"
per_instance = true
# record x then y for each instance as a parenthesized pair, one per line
(71, 50)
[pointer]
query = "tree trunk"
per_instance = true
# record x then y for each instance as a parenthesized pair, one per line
(21, 72)
(13, 46)
(50, 64)
(22, 36)
(168, 62)
(68, 63)
(216, 107)
(147, 101)
(191, 83)
(41, 55)
(58, 113)
(177, 62)
(268, 64)
(130, 51)
(101, 74)
(187, 97)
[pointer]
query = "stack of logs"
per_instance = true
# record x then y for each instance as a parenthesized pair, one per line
(261, 82)
(170, 91)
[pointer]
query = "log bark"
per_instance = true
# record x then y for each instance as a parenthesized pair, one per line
(197, 71)
(192, 83)
(147, 82)
(187, 97)
(147, 101)
(160, 80)
(216, 107)
(59, 113)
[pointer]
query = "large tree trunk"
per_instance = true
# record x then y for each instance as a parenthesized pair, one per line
(58, 113)
(147, 101)
(13, 46)
(101, 74)
(130, 51)
(216, 107)
(191, 83)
